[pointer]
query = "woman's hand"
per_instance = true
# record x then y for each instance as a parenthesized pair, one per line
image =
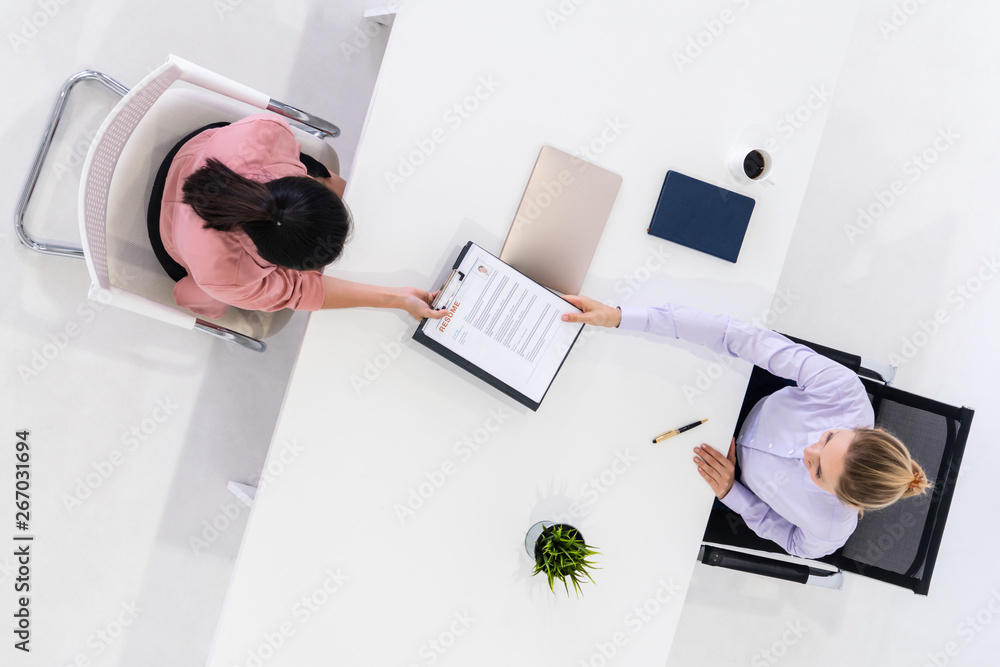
(594, 312)
(718, 470)
(417, 303)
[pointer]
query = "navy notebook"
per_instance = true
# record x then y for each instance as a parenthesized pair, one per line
(701, 216)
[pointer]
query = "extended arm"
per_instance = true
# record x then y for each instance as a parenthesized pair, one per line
(725, 335)
(338, 293)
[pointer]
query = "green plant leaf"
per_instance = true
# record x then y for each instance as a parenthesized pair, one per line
(562, 554)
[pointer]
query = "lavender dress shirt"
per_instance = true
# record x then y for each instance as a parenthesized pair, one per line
(777, 498)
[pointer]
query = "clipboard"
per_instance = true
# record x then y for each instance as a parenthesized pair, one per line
(504, 330)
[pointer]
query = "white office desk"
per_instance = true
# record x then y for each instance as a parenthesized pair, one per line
(331, 571)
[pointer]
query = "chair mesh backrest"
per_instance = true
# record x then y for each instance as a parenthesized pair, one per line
(102, 168)
(891, 538)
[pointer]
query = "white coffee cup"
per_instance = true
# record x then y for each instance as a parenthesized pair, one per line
(750, 165)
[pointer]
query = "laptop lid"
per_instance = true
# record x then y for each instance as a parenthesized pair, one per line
(560, 220)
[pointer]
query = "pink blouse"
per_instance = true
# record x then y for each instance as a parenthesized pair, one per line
(224, 268)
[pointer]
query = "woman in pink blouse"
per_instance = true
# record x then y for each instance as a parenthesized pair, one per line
(243, 224)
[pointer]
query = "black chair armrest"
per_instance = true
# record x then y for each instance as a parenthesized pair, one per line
(744, 562)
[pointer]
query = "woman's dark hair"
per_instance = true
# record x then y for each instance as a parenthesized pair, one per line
(295, 222)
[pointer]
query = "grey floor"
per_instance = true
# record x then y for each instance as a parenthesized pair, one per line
(136, 427)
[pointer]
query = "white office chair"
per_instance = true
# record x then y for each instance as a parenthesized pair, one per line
(121, 165)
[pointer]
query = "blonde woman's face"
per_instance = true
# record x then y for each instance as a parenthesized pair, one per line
(824, 459)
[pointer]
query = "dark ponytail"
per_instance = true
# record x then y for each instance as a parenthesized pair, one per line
(295, 221)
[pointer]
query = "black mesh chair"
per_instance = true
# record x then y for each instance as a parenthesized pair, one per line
(898, 544)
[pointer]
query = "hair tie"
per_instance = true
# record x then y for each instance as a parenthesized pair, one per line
(917, 479)
(277, 218)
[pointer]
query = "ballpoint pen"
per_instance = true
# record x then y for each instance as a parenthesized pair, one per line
(677, 431)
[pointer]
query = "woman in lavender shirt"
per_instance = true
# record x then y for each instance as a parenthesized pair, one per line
(811, 460)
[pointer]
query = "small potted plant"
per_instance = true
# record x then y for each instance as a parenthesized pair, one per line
(560, 551)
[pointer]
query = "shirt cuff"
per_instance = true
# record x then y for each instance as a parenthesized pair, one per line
(738, 498)
(634, 319)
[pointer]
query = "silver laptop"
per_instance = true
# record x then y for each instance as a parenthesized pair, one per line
(560, 220)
